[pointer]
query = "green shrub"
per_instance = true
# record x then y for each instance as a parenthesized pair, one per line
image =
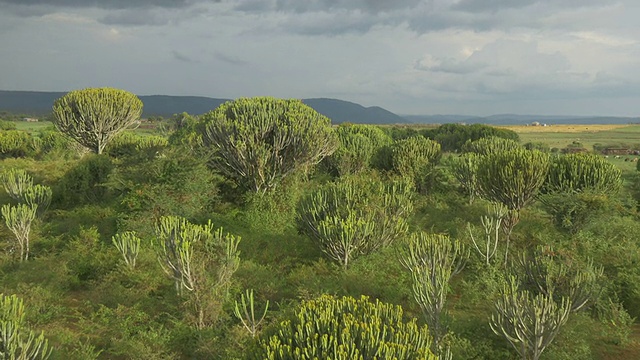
(414, 158)
(84, 183)
(346, 328)
(16, 143)
(7, 125)
(577, 173)
(453, 137)
(355, 216)
(490, 145)
(128, 144)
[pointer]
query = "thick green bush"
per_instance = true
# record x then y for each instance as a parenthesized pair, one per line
(414, 158)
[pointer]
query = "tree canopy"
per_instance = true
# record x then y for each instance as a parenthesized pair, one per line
(93, 116)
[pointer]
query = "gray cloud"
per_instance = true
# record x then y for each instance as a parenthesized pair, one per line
(181, 57)
(233, 60)
(104, 4)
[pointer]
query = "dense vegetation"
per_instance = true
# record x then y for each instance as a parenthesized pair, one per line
(258, 231)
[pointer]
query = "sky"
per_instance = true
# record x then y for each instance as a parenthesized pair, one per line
(470, 57)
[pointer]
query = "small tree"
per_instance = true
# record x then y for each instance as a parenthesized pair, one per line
(200, 261)
(355, 217)
(512, 178)
(433, 260)
(256, 142)
(16, 341)
(38, 196)
(346, 328)
(490, 145)
(491, 224)
(529, 323)
(94, 116)
(18, 219)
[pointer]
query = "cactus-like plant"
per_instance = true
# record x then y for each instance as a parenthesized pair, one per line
(433, 260)
(199, 260)
(355, 216)
(577, 173)
(556, 276)
(415, 158)
(16, 341)
(257, 142)
(464, 169)
(18, 219)
(128, 243)
(529, 323)
(491, 224)
(16, 182)
(93, 117)
(346, 329)
(490, 145)
(38, 196)
(513, 178)
(248, 313)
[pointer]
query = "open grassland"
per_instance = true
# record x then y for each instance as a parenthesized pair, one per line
(559, 136)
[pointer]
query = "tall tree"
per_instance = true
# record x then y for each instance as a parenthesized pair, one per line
(256, 142)
(93, 116)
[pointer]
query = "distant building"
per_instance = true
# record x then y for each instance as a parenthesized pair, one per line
(30, 119)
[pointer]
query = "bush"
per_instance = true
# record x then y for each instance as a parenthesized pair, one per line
(490, 145)
(453, 137)
(414, 158)
(129, 144)
(355, 217)
(16, 143)
(346, 328)
(361, 146)
(84, 183)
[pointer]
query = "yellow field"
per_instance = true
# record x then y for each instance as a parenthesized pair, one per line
(563, 128)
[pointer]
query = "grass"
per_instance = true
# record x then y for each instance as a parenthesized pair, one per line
(559, 136)
(32, 126)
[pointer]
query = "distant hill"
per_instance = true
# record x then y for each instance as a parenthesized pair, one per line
(339, 111)
(512, 119)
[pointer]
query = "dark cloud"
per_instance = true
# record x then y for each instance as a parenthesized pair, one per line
(499, 5)
(298, 6)
(135, 18)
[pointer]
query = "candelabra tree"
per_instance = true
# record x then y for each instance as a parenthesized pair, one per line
(464, 168)
(529, 323)
(355, 216)
(257, 142)
(201, 262)
(432, 259)
(18, 219)
(16, 340)
(94, 116)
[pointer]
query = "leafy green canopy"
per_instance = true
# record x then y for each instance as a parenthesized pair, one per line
(93, 116)
(346, 328)
(257, 142)
(361, 146)
(490, 145)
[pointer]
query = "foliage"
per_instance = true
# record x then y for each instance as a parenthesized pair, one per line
(361, 146)
(256, 142)
(512, 177)
(129, 246)
(248, 314)
(559, 276)
(464, 168)
(529, 323)
(453, 137)
(7, 125)
(199, 260)
(491, 224)
(16, 182)
(433, 259)
(346, 328)
(94, 116)
(490, 145)
(16, 143)
(355, 216)
(128, 144)
(577, 173)
(573, 211)
(38, 197)
(16, 340)
(414, 158)
(84, 182)
(18, 219)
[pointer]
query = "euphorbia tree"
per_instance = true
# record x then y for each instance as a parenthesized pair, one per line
(513, 178)
(257, 142)
(93, 116)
